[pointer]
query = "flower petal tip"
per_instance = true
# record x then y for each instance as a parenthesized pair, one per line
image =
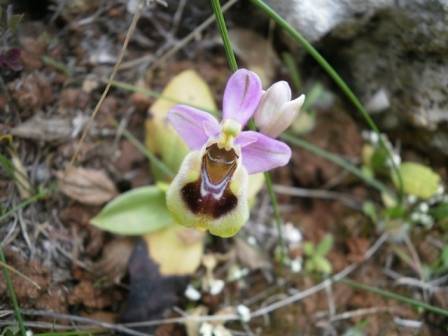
(241, 96)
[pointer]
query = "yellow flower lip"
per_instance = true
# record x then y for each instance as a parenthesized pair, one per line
(231, 128)
(210, 191)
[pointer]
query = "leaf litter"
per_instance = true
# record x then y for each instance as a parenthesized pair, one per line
(87, 186)
(85, 272)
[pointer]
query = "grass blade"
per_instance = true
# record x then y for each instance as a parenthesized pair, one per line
(333, 74)
(224, 35)
(340, 162)
(12, 293)
(142, 148)
(394, 296)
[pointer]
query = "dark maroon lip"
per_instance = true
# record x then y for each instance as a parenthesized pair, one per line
(210, 194)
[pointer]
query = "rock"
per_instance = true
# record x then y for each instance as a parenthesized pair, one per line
(396, 54)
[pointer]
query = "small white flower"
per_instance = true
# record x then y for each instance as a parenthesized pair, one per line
(216, 286)
(370, 136)
(206, 329)
(415, 216)
(296, 265)
(423, 207)
(238, 273)
(292, 234)
(192, 293)
(221, 331)
(244, 312)
(412, 199)
(396, 159)
(251, 240)
(374, 138)
(426, 220)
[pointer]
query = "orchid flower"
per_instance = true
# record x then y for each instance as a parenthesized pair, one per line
(210, 190)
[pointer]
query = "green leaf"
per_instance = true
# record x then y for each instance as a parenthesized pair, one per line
(324, 246)
(308, 249)
(444, 256)
(313, 96)
(378, 161)
(368, 208)
(444, 224)
(310, 265)
(135, 212)
(367, 171)
(14, 21)
(418, 179)
(395, 212)
(322, 265)
(375, 157)
(13, 330)
(440, 211)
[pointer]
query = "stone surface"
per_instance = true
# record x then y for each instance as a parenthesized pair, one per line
(396, 54)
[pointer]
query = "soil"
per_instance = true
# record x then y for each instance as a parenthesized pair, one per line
(60, 264)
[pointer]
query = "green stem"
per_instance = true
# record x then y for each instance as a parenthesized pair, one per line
(339, 161)
(151, 157)
(41, 194)
(12, 294)
(224, 35)
(333, 74)
(278, 220)
(394, 296)
(293, 72)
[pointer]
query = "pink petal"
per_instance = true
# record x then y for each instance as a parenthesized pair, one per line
(245, 139)
(189, 124)
(241, 96)
(212, 129)
(264, 154)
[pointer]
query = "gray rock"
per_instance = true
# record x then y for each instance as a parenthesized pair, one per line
(396, 53)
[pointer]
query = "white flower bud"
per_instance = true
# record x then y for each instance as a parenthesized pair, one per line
(296, 265)
(192, 293)
(423, 207)
(216, 287)
(412, 199)
(244, 312)
(206, 329)
(276, 112)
